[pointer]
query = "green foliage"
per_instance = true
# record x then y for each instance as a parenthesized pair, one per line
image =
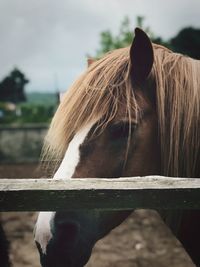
(187, 42)
(35, 113)
(124, 37)
(39, 108)
(6, 115)
(26, 113)
(110, 42)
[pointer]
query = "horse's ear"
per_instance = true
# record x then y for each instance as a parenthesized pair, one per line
(90, 60)
(141, 55)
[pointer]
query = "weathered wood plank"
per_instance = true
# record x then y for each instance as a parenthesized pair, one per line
(125, 193)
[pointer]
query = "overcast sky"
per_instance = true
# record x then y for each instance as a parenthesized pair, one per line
(48, 39)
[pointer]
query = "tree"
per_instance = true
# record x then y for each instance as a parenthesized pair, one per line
(110, 42)
(187, 42)
(12, 87)
(124, 38)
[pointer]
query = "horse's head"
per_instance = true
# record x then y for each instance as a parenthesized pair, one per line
(111, 132)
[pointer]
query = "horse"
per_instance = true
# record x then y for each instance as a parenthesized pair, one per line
(134, 112)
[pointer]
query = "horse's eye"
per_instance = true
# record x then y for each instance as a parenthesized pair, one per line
(121, 130)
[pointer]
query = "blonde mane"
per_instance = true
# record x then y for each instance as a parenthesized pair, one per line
(107, 83)
(178, 107)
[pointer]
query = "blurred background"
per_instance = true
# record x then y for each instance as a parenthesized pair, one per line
(44, 47)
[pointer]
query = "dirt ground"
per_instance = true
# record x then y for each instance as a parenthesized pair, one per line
(141, 241)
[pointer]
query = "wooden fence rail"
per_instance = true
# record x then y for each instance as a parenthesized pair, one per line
(152, 192)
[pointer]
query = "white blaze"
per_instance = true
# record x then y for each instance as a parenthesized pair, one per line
(72, 155)
(67, 167)
(42, 229)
